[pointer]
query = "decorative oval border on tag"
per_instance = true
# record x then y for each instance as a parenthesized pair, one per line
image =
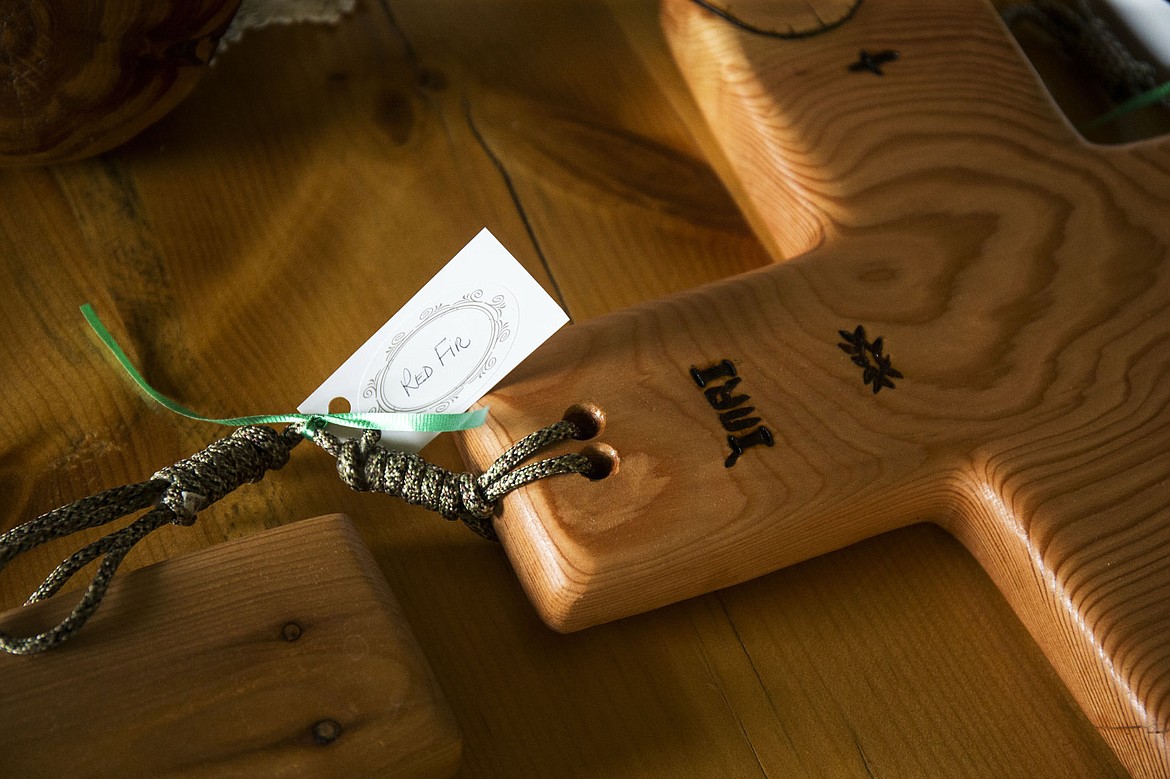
(471, 331)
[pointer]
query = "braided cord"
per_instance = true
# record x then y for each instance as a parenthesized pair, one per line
(175, 494)
(367, 467)
(1088, 39)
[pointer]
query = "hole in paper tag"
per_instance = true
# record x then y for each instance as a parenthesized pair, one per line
(475, 321)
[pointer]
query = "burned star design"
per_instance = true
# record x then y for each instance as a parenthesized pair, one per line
(873, 62)
(876, 369)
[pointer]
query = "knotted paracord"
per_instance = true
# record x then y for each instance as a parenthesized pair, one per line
(175, 495)
(365, 466)
(1087, 38)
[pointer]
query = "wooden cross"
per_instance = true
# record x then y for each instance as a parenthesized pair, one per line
(974, 331)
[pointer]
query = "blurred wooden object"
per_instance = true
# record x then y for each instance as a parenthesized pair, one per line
(244, 245)
(78, 77)
(280, 654)
(783, 18)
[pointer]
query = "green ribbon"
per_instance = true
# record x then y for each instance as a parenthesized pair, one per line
(1147, 98)
(373, 420)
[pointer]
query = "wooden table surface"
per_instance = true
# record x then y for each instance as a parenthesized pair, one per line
(244, 246)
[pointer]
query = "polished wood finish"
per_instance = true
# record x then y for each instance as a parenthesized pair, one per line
(78, 77)
(245, 244)
(1016, 277)
(1027, 271)
(280, 654)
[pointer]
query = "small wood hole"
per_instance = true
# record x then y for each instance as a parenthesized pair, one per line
(339, 406)
(604, 459)
(589, 419)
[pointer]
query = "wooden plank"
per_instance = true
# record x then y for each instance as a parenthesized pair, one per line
(282, 654)
(245, 244)
(1085, 574)
(953, 229)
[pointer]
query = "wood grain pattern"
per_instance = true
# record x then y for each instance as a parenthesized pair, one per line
(1018, 277)
(78, 78)
(783, 19)
(225, 662)
(247, 242)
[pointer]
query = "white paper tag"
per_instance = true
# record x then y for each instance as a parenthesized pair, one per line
(475, 321)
